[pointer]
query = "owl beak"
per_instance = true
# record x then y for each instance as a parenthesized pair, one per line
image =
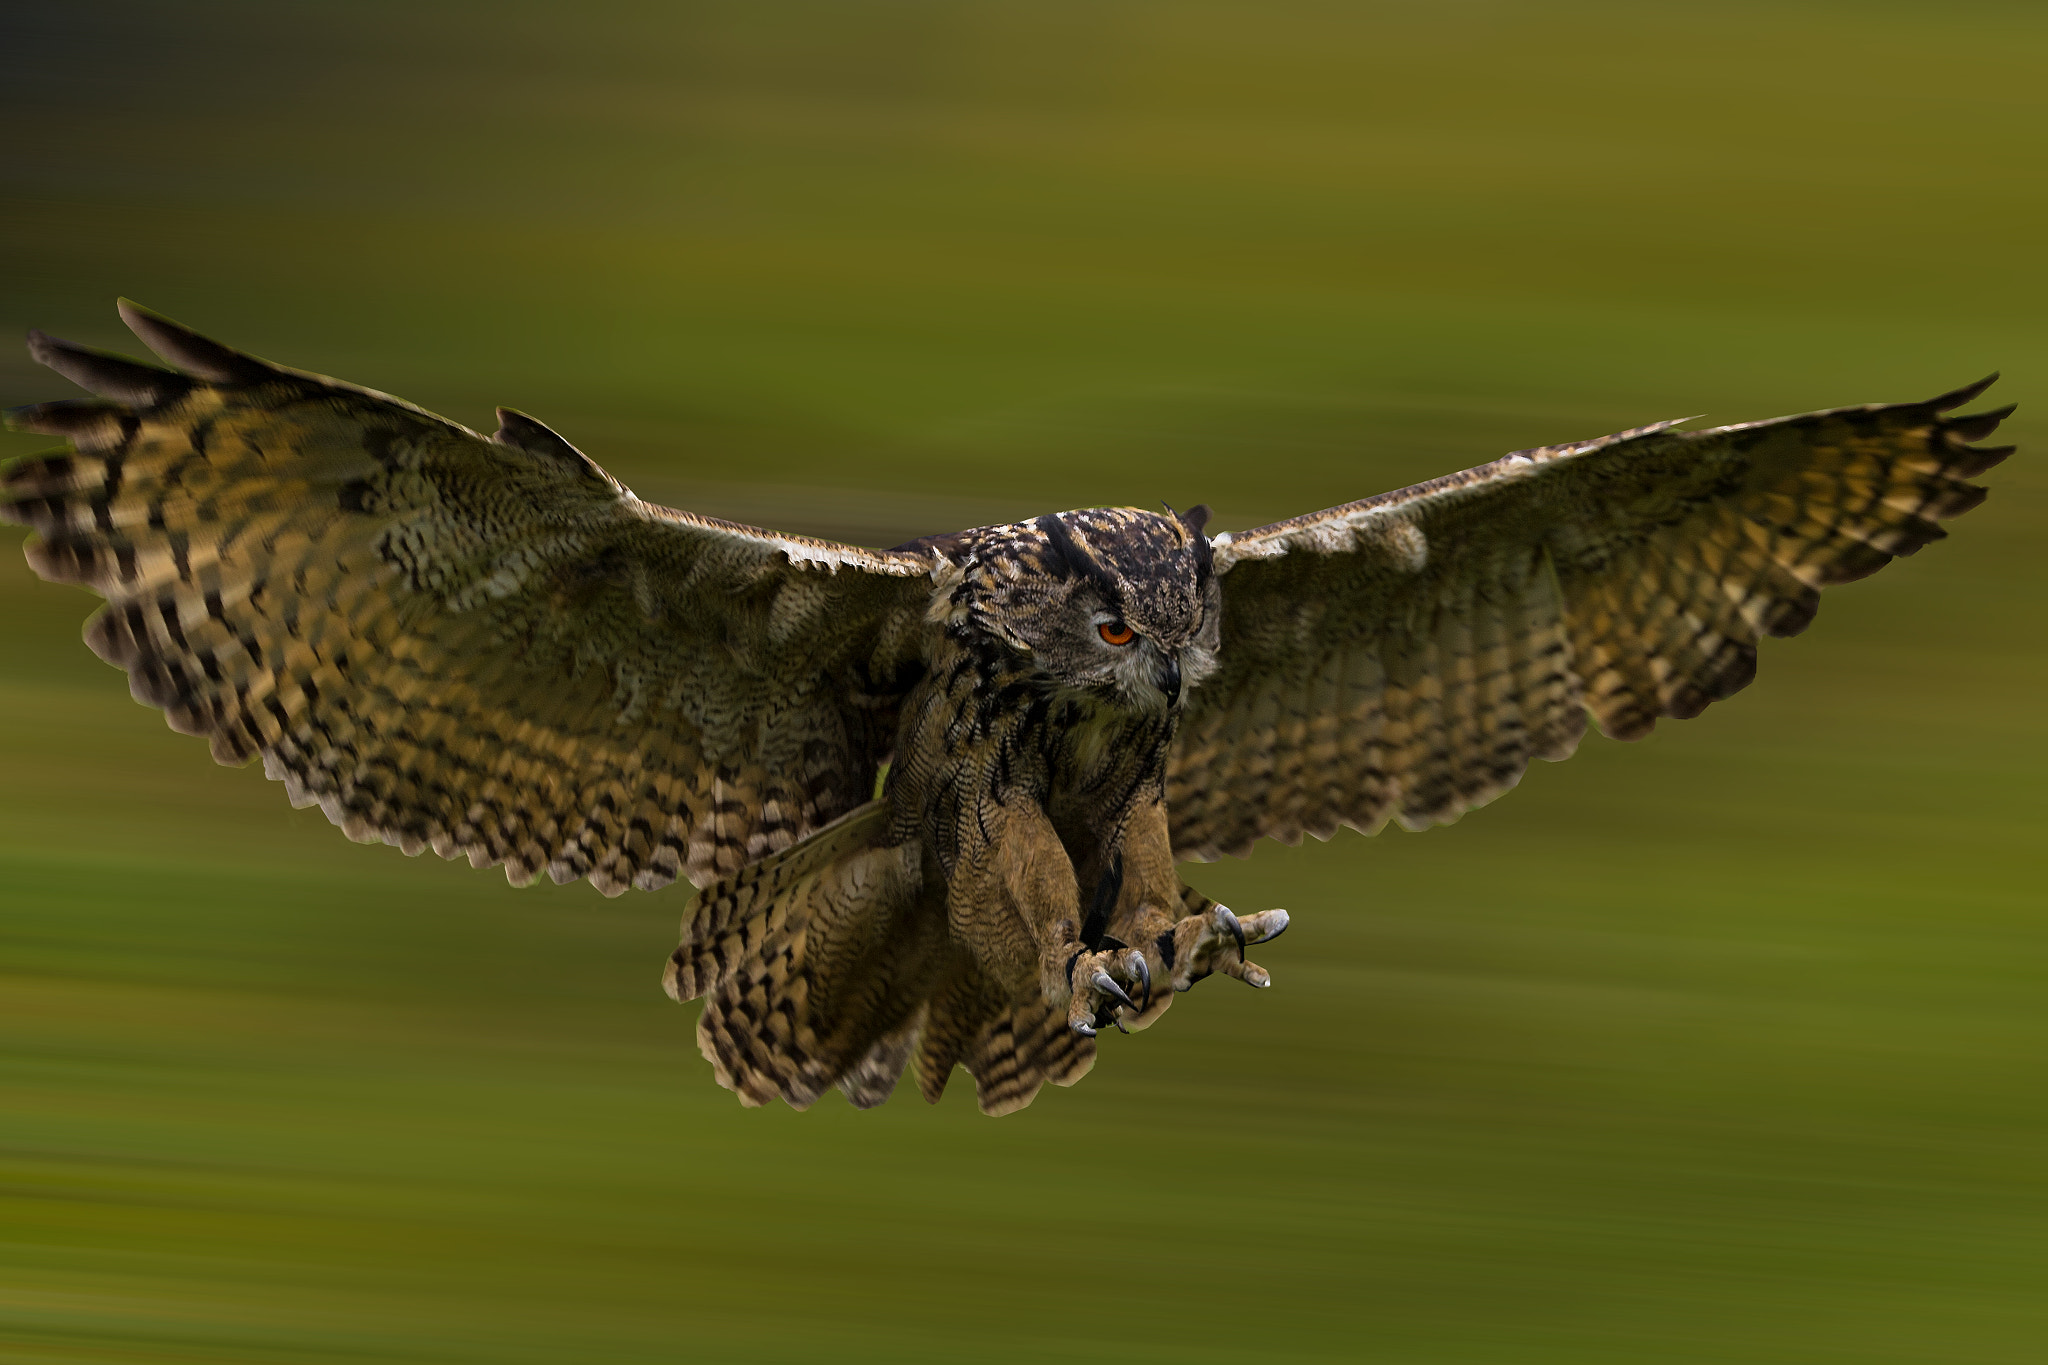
(1167, 675)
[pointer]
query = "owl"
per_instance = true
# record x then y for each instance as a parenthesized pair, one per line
(934, 797)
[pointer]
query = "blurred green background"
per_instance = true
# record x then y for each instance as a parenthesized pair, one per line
(1727, 1046)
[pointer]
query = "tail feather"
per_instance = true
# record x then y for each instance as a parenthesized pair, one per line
(873, 1078)
(814, 964)
(962, 1003)
(1022, 1049)
(734, 919)
(1012, 1044)
(829, 964)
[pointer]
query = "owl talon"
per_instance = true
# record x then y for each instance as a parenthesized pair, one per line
(1099, 998)
(1215, 942)
(1115, 992)
(1228, 920)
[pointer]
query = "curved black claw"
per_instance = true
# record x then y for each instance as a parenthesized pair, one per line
(1215, 941)
(1223, 912)
(1107, 985)
(1099, 998)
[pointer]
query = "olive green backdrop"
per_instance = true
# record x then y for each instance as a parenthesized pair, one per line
(1723, 1047)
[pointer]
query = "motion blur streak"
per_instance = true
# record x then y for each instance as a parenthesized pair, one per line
(1724, 1047)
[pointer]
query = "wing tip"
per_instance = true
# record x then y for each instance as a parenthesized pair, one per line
(188, 350)
(1955, 398)
(1978, 425)
(105, 373)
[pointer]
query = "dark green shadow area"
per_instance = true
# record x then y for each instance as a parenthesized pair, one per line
(1727, 1046)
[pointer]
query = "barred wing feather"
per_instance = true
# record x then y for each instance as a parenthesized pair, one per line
(483, 645)
(1404, 657)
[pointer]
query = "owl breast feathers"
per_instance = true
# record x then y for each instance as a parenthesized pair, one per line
(487, 646)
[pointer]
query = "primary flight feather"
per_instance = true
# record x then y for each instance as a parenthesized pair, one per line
(487, 646)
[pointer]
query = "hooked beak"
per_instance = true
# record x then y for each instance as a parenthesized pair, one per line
(1167, 676)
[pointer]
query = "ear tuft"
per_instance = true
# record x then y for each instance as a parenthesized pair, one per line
(1195, 518)
(1079, 560)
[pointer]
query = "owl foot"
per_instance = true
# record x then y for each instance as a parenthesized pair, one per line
(1215, 942)
(1103, 984)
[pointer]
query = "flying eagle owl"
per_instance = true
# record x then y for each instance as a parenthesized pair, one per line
(934, 796)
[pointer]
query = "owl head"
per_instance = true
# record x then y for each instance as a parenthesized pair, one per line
(1114, 601)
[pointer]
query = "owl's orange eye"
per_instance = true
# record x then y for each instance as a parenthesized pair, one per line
(1115, 633)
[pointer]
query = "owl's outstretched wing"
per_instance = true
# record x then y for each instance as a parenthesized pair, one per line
(483, 645)
(1404, 657)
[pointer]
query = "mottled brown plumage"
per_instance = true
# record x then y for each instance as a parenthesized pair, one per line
(489, 647)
